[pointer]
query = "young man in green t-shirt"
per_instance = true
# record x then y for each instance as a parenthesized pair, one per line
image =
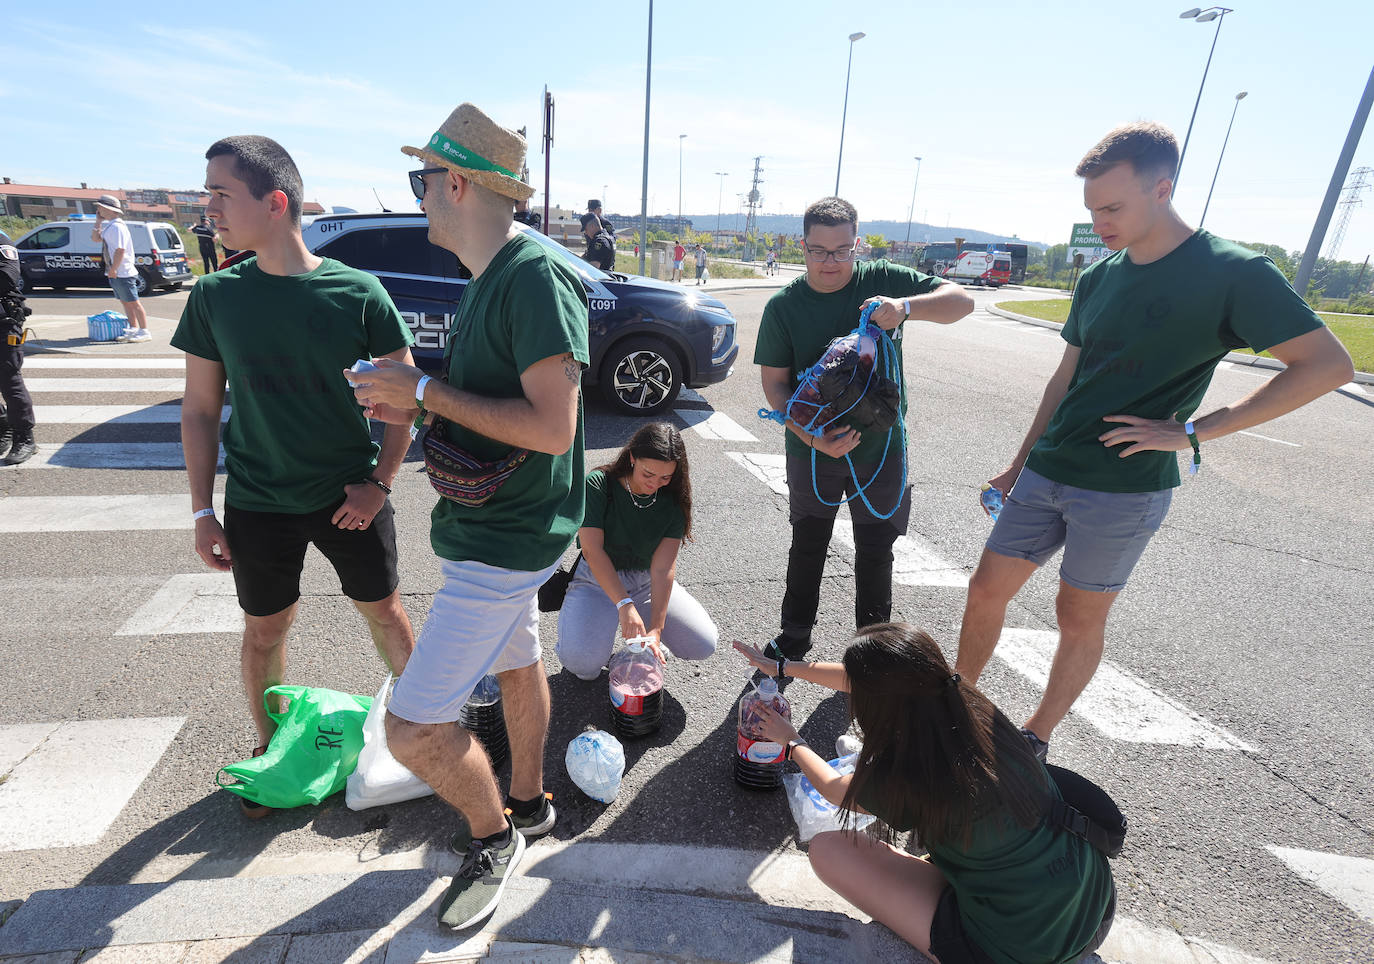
(302, 467)
(512, 379)
(798, 323)
(1096, 471)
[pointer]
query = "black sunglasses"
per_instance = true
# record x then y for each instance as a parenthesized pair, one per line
(417, 180)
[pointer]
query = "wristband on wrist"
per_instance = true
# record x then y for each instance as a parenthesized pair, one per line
(906, 308)
(373, 480)
(782, 667)
(420, 391)
(201, 514)
(1197, 450)
(624, 602)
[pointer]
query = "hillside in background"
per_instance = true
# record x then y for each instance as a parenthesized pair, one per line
(792, 224)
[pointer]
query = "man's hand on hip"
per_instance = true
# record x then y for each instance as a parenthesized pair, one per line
(1145, 434)
(362, 502)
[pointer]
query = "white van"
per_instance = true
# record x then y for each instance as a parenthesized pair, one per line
(62, 254)
(991, 268)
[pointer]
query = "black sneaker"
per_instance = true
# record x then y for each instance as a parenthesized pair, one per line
(784, 647)
(22, 451)
(540, 823)
(1039, 747)
(477, 887)
(6, 440)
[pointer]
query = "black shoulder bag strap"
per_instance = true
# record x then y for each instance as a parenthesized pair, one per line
(1087, 811)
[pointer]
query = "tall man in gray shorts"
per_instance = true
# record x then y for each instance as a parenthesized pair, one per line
(513, 371)
(1096, 472)
(798, 323)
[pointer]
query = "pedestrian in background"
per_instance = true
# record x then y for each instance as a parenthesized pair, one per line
(600, 246)
(206, 237)
(17, 419)
(1096, 471)
(117, 246)
(679, 255)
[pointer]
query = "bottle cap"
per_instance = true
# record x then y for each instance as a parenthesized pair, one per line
(768, 688)
(637, 644)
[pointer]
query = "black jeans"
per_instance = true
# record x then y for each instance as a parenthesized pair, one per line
(18, 404)
(209, 258)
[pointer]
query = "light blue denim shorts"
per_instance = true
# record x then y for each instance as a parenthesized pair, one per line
(125, 289)
(484, 619)
(1103, 534)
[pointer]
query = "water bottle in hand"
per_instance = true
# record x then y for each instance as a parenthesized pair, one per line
(992, 501)
(360, 366)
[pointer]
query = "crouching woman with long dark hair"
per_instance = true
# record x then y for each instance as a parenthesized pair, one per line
(1000, 884)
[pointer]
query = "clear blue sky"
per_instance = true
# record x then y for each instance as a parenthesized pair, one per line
(999, 98)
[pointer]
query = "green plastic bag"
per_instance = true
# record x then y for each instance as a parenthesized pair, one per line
(316, 746)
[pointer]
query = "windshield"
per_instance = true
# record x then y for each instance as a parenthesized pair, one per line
(588, 271)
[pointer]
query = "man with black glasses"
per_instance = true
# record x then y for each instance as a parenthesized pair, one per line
(798, 323)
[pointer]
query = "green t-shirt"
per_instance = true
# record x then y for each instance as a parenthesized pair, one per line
(1024, 894)
(296, 434)
(631, 530)
(800, 322)
(1150, 337)
(527, 306)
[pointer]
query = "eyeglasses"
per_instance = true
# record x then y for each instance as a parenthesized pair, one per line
(417, 180)
(824, 254)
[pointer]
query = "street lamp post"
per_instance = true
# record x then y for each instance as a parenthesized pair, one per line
(912, 213)
(1239, 97)
(680, 139)
(720, 193)
(845, 115)
(644, 188)
(1200, 16)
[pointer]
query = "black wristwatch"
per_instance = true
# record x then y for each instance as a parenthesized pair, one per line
(792, 745)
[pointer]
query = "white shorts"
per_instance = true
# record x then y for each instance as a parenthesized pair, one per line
(484, 619)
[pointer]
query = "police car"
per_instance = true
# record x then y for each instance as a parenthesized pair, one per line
(62, 254)
(647, 338)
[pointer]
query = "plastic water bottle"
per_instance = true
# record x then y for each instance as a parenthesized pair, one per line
(636, 689)
(596, 762)
(483, 715)
(758, 760)
(362, 365)
(992, 501)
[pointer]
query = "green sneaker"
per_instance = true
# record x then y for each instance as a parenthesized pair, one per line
(477, 887)
(537, 825)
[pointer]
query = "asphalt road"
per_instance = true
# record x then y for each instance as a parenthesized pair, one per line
(1249, 616)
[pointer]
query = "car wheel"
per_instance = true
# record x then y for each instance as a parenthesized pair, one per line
(141, 284)
(641, 376)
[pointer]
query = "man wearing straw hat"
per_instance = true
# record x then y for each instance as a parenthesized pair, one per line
(510, 390)
(117, 245)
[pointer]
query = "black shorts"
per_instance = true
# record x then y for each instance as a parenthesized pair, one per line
(952, 945)
(268, 549)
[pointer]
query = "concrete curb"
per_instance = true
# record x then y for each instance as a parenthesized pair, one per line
(1239, 358)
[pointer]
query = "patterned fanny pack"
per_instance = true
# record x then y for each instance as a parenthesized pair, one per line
(459, 476)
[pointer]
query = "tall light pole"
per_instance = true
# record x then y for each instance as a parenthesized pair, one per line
(1239, 97)
(845, 115)
(912, 213)
(1201, 16)
(680, 139)
(720, 193)
(644, 188)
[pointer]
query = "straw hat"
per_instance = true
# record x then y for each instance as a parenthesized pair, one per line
(111, 202)
(472, 144)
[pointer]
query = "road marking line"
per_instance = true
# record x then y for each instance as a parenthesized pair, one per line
(97, 513)
(112, 414)
(73, 785)
(1296, 445)
(713, 425)
(1116, 703)
(1349, 880)
(1353, 387)
(189, 603)
(108, 455)
(113, 361)
(19, 740)
(91, 385)
(914, 561)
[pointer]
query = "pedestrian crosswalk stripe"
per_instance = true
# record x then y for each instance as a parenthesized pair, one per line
(714, 425)
(199, 602)
(112, 414)
(1348, 879)
(1115, 702)
(107, 455)
(97, 513)
(116, 362)
(71, 782)
(91, 386)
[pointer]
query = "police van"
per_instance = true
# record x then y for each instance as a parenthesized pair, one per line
(62, 254)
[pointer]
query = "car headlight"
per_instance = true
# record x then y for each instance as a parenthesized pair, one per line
(719, 334)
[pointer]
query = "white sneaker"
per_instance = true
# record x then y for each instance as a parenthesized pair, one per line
(125, 334)
(141, 334)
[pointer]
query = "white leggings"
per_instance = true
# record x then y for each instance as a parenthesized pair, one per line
(588, 622)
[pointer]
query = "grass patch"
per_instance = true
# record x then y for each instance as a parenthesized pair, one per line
(1356, 334)
(629, 264)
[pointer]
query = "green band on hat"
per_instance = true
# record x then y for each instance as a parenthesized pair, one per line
(460, 155)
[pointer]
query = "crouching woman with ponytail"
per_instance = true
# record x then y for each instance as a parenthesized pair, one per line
(1000, 884)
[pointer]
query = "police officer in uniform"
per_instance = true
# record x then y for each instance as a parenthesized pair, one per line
(16, 422)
